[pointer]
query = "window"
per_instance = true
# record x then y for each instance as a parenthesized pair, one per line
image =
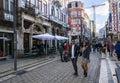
(73, 4)
(52, 11)
(45, 7)
(119, 5)
(40, 5)
(119, 16)
(57, 13)
(79, 4)
(75, 21)
(73, 14)
(64, 18)
(76, 4)
(6, 5)
(79, 14)
(69, 5)
(11, 7)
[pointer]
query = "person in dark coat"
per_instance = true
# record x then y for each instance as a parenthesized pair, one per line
(74, 55)
(85, 57)
(61, 49)
(117, 49)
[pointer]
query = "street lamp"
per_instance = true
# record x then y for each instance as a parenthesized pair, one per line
(15, 35)
(81, 27)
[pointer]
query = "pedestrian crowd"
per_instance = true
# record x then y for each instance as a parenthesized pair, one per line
(75, 49)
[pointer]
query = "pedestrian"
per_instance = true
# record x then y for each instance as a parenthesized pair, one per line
(85, 57)
(104, 48)
(111, 47)
(66, 50)
(99, 47)
(73, 55)
(117, 49)
(61, 53)
(108, 49)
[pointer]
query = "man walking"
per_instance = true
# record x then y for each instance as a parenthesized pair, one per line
(73, 55)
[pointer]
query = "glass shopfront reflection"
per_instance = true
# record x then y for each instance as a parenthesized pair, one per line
(6, 44)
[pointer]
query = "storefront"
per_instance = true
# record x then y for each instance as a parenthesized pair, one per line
(6, 44)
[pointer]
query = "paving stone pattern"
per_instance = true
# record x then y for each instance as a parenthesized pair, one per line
(60, 72)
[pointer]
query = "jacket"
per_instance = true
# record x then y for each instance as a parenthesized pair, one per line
(75, 51)
(86, 53)
(117, 48)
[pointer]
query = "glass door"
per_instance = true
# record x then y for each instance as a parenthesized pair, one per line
(1, 48)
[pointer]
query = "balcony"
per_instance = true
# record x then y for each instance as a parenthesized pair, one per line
(29, 9)
(55, 19)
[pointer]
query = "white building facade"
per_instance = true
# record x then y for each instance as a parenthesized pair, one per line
(33, 17)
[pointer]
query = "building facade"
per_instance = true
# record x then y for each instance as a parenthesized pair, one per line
(113, 21)
(78, 20)
(33, 17)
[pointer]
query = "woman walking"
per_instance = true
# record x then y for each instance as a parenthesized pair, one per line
(85, 57)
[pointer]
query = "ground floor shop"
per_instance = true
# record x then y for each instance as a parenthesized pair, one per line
(6, 44)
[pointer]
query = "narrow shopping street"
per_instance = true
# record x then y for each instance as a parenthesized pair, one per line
(58, 72)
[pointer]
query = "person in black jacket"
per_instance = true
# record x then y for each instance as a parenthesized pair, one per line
(74, 55)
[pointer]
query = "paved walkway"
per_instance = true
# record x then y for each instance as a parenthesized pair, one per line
(107, 70)
(7, 66)
(56, 71)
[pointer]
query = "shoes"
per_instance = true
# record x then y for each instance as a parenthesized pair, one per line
(85, 74)
(76, 74)
(62, 60)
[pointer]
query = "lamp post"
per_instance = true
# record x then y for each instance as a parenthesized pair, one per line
(15, 35)
(81, 28)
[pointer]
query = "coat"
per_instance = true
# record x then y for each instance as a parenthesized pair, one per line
(75, 51)
(86, 53)
(117, 48)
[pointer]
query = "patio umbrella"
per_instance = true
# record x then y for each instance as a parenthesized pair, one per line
(45, 36)
(57, 37)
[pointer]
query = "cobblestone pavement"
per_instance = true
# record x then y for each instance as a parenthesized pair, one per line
(7, 66)
(59, 72)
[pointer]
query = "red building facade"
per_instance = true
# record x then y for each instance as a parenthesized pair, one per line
(75, 13)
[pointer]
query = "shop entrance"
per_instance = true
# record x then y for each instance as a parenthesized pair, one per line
(4, 46)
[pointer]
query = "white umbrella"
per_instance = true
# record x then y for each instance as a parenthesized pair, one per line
(45, 36)
(57, 37)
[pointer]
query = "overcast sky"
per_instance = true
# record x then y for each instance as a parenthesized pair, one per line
(101, 11)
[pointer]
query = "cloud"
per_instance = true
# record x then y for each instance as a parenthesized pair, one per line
(99, 26)
(101, 10)
(102, 13)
